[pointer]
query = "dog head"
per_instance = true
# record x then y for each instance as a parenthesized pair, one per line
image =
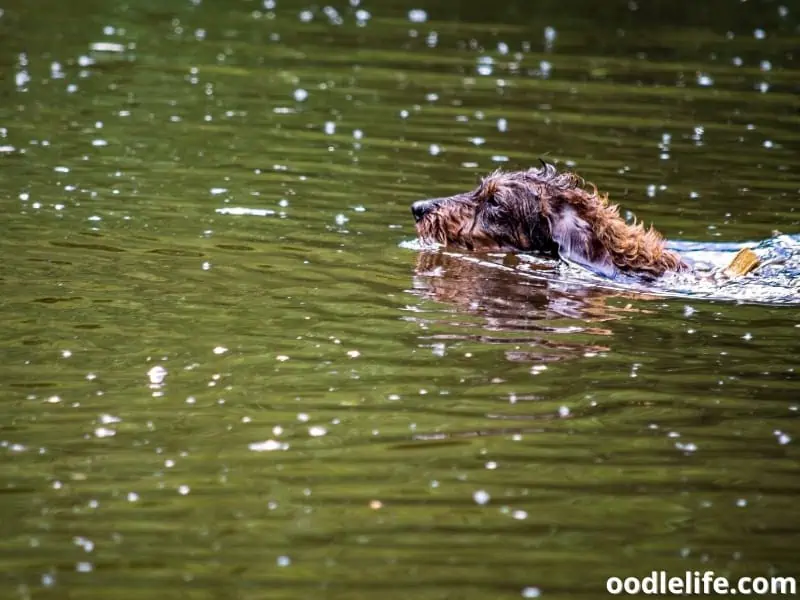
(537, 210)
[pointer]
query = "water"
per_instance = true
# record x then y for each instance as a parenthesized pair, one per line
(224, 375)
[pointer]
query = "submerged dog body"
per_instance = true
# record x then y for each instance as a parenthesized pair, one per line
(542, 210)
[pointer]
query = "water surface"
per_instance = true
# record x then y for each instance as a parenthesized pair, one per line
(224, 374)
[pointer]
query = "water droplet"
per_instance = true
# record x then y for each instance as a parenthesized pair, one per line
(531, 592)
(267, 446)
(704, 80)
(481, 497)
(417, 15)
(157, 375)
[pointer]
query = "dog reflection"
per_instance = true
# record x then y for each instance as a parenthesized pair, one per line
(544, 319)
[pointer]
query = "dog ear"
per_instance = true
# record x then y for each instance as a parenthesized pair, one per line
(577, 243)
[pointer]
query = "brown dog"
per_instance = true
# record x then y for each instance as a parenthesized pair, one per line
(542, 210)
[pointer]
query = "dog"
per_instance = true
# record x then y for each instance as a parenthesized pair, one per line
(549, 212)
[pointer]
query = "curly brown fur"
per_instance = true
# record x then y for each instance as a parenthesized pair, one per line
(542, 210)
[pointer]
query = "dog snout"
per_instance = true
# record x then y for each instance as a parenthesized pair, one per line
(421, 208)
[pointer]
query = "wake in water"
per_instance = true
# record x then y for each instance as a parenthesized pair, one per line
(775, 281)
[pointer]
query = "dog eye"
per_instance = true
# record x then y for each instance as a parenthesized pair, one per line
(492, 201)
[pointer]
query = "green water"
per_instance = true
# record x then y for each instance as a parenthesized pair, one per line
(288, 403)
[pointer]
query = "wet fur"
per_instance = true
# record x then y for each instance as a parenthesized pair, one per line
(542, 210)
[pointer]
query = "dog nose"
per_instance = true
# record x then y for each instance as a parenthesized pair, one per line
(420, 208)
